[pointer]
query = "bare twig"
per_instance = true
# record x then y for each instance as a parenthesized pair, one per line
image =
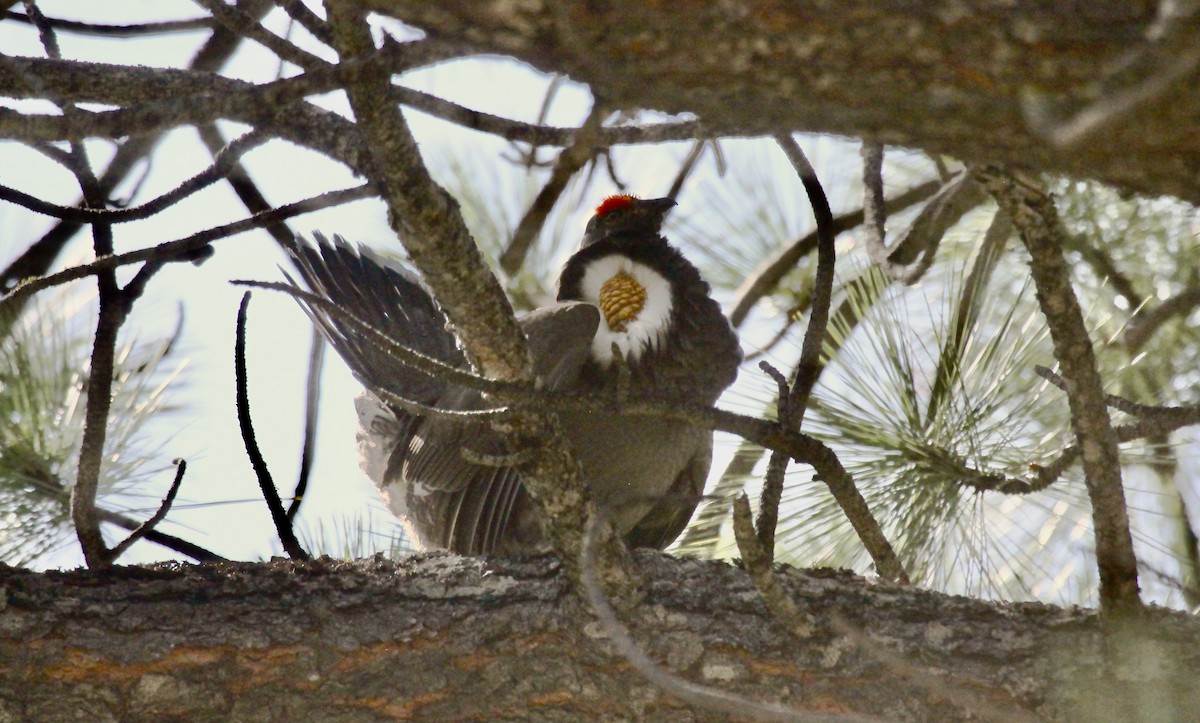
(39, 257)
(312, 400)
(224, 163)
(1189, 414)
(1036, 219)
(556, 84)
(790, 319)
(758, 564)
(184, 249)
(570, 160)
(951, 202)
(1046, 475)
(1103, 266)
(772, 489)
(99, 401)
(112, 313)
(165, 27)
(536, 135)
(610, 165)
(248, 27)
(244, 186)
(763, 280)
(283, 525)
(115, 304)
(147, 526)
(715, 507)
(45, 30)
(808, 368)
(61, 493)
(862, 292)
(1147, 322)
(688, 165)
(310, 21)
(171, 542)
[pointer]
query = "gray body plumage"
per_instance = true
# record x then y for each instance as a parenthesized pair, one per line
(441, 475)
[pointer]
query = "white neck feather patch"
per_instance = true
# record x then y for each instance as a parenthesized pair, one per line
(636, 321)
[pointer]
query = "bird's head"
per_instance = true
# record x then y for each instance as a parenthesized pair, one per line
(625, 215)
(626, 268)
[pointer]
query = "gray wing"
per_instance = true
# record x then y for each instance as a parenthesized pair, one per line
(474, 508)
(560, 341)
(390, 299)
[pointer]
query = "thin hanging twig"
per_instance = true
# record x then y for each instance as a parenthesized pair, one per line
(312, 401)
(283, 526)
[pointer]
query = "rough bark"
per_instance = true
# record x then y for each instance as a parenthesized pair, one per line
(441, 637)
(1037, 222)
(949, 76)
(961, 77)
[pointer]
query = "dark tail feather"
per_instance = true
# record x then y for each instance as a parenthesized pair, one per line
(389, 298)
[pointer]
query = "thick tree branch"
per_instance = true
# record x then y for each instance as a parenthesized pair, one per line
(1036, 219)
(438, 637)
(950, 79)
(964, 100)
(703, 697)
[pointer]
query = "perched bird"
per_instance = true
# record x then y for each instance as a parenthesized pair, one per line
(626, 292)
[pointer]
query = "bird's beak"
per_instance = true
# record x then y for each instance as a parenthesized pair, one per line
(661, 204)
